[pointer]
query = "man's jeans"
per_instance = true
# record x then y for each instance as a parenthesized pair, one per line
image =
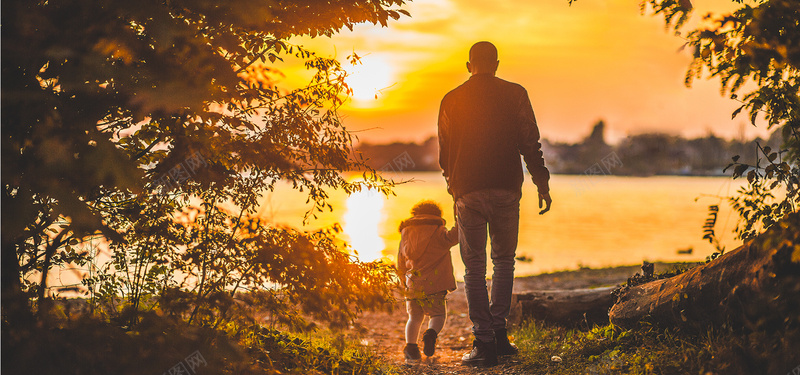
(499, 209)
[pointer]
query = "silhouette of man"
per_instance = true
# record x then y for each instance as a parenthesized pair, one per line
(484, 126)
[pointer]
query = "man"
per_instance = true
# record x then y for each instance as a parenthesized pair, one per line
(484, 126)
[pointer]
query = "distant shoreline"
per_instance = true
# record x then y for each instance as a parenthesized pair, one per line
(647, 154)
(709, 174)
(588, 277)
(720, 174)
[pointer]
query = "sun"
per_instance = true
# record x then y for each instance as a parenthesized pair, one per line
(368, 78)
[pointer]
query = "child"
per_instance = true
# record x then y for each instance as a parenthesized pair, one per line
(426, 269)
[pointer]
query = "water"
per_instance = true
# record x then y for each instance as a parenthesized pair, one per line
(595, 221)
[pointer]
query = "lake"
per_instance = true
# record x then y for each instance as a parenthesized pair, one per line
(595, 221)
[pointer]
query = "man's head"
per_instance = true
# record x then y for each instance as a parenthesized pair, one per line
(482, 58)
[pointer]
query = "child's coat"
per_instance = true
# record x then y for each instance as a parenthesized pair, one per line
(424, 263)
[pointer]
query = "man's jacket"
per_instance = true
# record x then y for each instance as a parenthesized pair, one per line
(484, 126)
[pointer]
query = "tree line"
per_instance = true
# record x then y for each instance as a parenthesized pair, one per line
(645, 154)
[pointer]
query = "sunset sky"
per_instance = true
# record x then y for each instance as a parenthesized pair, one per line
(596, 59)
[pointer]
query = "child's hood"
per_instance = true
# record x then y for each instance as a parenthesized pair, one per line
(422, 220)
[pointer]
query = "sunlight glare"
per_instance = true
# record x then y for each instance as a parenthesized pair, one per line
(361, 223)
(368, 79)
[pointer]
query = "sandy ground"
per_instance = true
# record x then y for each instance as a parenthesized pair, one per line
(384, 331)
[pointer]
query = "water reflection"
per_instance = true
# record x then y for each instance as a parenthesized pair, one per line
(362, 223)
(599, 221)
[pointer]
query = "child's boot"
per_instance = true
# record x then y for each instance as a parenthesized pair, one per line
(411, 352)
(429, 341)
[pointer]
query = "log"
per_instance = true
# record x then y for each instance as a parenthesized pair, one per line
(574, 307)
(755, 283)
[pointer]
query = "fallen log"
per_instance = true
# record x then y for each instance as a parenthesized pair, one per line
(753, 285)
(574, 307)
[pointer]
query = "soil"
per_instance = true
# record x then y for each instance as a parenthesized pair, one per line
(384, 332)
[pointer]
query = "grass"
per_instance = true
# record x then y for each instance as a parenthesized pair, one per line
(649, 350)
(318, 352)
(88, 345)
(158, 344)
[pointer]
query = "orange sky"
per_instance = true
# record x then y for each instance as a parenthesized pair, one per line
(593, 60)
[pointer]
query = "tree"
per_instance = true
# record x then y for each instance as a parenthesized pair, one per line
(755, 49)
(754, 289)
(115, 114)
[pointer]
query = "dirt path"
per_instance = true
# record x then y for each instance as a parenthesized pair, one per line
(385, 334)
(384, 331)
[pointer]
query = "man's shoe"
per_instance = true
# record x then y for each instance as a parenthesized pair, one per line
(482, 354)
(411, 352)
(504, 347)
(429, 341)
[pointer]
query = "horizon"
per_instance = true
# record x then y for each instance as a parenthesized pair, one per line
(611, 142)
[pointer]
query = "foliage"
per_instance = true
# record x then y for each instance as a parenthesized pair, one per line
(647, 275)
(89, 346)
(754, 49)
(650, 350)
(138, 138)
(295, 354)
(196, 264)
(773, 192)
(147, 132)
(161, 344)
(710, 234)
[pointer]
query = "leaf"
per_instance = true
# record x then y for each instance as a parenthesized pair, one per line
(739, 170)
(772, 156)
(736, 112)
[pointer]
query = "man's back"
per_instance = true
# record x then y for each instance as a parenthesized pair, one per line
(484, 125)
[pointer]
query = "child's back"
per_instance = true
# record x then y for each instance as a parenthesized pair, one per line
(424, 261)
(426, 269)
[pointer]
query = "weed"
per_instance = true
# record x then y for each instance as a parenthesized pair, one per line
(324, 352)
(650, 350)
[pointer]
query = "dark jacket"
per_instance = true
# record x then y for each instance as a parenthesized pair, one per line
(423, 260)
(484, 126)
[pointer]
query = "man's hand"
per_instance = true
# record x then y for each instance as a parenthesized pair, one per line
(547, 200)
